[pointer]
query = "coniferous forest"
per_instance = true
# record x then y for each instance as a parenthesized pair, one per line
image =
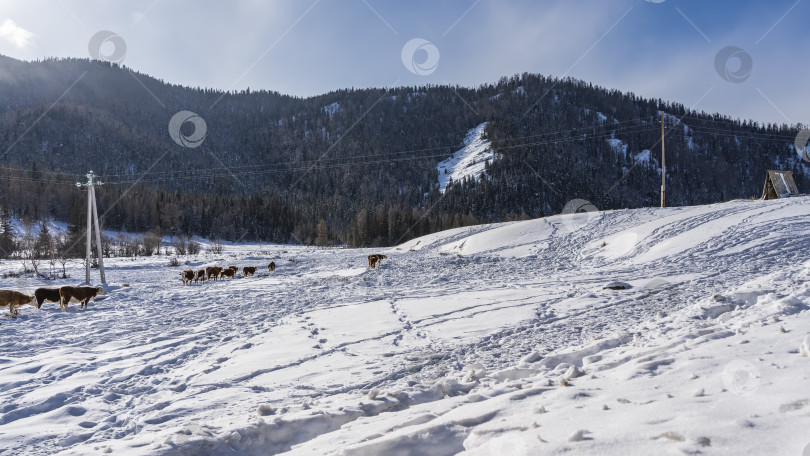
(353, 167)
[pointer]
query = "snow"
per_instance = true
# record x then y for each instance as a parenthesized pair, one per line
(687, 135)
(617, 145)
(671, 119)
(19, 229)
(488, 340)
(469, 161)
(643, 157)
(331, 109)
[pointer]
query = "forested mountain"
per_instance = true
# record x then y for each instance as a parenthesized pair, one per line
(355, 166)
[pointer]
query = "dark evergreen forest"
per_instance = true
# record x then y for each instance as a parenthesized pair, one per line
(355, 167)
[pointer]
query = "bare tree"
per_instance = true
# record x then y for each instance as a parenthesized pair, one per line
(193, 247)
(63, 245)
(180, 245)
(215, 247)
(152, 243)
(26, 251)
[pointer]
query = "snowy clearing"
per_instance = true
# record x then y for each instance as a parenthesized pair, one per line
(492, 339)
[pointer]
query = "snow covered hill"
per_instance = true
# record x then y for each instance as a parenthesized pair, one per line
(495, 339)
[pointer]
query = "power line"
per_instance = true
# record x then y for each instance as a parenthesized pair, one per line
(632, 129)
(351, 161)
(552, 137)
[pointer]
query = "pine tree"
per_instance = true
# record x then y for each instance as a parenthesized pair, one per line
(44, 244)
(6, 234)
(73, 243)
(323, 234)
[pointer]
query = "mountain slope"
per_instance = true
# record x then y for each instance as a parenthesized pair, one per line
(364, 161)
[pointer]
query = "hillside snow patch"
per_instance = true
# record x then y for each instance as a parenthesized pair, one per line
(467, 161)
(331, 109)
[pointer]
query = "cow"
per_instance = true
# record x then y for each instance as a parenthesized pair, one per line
(80, 294)
(46, 294)
(13, 299)
(374, 259)
(187, 276)
(272, 266)
(200, 276)
(235, 269)
(249, 270)
(213, 272)
(228, 273)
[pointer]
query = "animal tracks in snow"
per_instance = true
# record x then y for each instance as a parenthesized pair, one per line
(449, 328)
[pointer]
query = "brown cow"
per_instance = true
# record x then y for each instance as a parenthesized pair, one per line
(13, 299)
(272, 266)
(249, 270)
(187, 276)
(200, 276)
(374, 259)
(46, 294)
(81, 294)
(235, 269)
(213, 272)
(228, 273)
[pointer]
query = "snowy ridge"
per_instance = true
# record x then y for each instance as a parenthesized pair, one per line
(468, 161)
(492, 339)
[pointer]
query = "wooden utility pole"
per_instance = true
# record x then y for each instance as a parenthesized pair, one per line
(92, 216)
(663, 166)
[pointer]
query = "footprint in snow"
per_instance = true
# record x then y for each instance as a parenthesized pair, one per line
(76, 411)
(579, 436)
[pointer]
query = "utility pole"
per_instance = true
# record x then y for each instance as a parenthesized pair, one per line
(663, 165)
(92, 216)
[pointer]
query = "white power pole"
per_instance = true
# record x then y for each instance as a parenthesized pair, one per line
(92, 216)
(98, 235)
(89, 231)
(663, 166)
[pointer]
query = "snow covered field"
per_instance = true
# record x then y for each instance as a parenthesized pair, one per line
(488, 340)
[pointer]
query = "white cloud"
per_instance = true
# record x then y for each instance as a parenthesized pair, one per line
(15, 34)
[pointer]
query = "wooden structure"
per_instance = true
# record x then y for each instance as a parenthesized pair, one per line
(779, 184)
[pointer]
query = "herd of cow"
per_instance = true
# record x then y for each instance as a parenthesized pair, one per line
(14, 299)
(215, 273)
(190, 276)
(64, 295)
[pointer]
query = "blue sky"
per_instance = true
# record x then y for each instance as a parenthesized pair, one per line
(662, 49)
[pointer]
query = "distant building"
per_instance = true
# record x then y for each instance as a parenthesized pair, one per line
(779, 184)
